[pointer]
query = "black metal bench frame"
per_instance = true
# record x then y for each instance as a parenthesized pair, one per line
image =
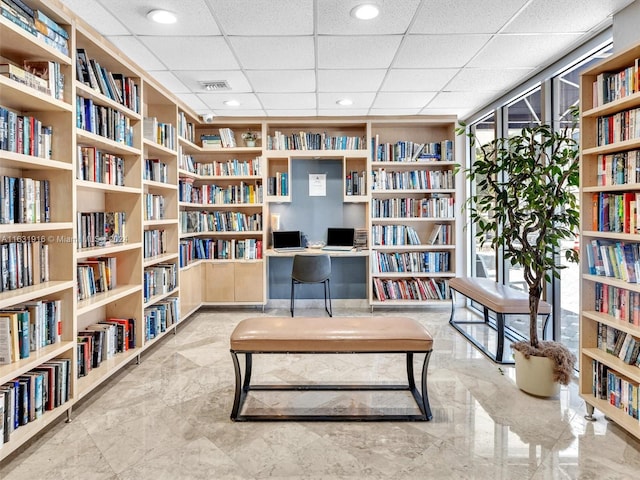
(242, 388)
(498, 325)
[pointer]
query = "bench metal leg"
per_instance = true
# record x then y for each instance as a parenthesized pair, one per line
(239, 391)
(500, 331)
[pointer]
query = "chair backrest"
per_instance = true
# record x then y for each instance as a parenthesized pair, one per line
(311, 268)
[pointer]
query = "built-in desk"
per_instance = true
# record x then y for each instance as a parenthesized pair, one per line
(349, 273)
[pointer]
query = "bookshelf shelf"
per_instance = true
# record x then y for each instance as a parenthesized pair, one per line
(37, 357)
(103, 143)
(159, 185)
(108, 250)
(188, 146)
(98, 98)
(16, 41)
(24, 98)
(157, 149)
(97, 376)
(106, 187)
(19, 160)
(605, 376)
(25, 294)
(147, 262)
(162, 296)
(102, 299)
(23, 228)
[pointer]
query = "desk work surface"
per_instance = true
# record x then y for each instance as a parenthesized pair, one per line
(270, 252)
(333, 334)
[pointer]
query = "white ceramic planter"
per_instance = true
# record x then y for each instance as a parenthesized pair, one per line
(535, 375)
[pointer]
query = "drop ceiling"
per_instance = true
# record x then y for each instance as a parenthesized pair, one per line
(299, 57)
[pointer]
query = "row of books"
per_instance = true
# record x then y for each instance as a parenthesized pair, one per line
(99, 229)
(620, 168)
(37, 23)
(159, 279)
(615, 388)
(418, 289)
(394, 235)
(104, 121)
(243, 193)
(314, 141)
(24, 200)
(413, 180)
(156, 170)
(115, 86)
(355, 183)
(195, 222)
(618, 127)
(436, 205)
(408, 151)
(615, 212)
(101, 341)
(161, 316)
(24, 134)
(620, 303)
(230, 168)
(153, 207)
(44, 76)
(610, 86)
(619, 260)
(28, 327)
(618, 343)
(186, 161)
(97, 166)
(158, 132)
(186, 129)
(278, 185)
(409, 262)
(26, 398)
(219, 249)
(154, 242)
(228, 138)
(23, 262)
(96, 275)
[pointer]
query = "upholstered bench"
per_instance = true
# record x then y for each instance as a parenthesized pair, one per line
(307, 335)
(500, 299)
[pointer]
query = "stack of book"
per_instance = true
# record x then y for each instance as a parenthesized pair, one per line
(37, 23)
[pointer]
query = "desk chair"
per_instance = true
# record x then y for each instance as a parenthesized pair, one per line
(312, 269)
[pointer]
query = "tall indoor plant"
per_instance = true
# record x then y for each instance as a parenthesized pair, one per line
(526, 203)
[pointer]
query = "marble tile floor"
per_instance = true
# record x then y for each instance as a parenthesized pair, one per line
(168, 418)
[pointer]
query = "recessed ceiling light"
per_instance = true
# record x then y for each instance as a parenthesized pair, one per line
(162, 16)
(345, 101)
(231, 103)
(366, 11)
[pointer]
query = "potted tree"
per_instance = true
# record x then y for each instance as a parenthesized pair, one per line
(526, 203)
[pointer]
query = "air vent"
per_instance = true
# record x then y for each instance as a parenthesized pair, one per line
(215, 85)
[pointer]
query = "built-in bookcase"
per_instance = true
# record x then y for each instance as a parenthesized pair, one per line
(413, 211)
(609, 189)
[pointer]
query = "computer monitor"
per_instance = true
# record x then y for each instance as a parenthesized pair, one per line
(287, 239)
(340, 237)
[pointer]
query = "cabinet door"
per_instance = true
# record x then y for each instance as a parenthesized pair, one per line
(219, 282)
(191, 285)
(249, 282)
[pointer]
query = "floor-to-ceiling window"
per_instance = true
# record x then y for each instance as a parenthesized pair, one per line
(550, 99)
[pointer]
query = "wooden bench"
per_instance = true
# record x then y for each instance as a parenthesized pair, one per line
(306, 335)
(497, 298)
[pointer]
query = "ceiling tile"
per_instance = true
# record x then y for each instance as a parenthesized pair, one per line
(357, 52)
(251, 17)
(216, 101)
(488, 79)
(279, 80)
(447, 16)
(350, 80)
(461, 100)
(335, 18)
(360, 100)
(270, 53)
(439, 51)
(194, 102)
(138, 52)
(92, 12)
(417, 80)
(394, 111)
(523, 50)
(179, 53)
(242, 113)
(403, 99)
(333, 112)
(548, 16)
(287, 100)
(169, 81)
(276, 112)
(194, 17)
(193, 78)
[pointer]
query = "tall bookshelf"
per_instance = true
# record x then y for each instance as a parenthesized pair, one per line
(38, 175)
(412, 222)
(609, 376)
(221, 196)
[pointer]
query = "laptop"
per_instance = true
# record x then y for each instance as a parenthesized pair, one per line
(339, 239)
(287, 241)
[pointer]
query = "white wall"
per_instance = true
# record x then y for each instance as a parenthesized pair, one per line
(625, 27)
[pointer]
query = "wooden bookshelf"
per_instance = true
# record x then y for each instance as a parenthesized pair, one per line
(602, 316)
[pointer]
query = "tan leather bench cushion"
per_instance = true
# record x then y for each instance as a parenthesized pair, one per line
(331, 334)
(496, 297)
